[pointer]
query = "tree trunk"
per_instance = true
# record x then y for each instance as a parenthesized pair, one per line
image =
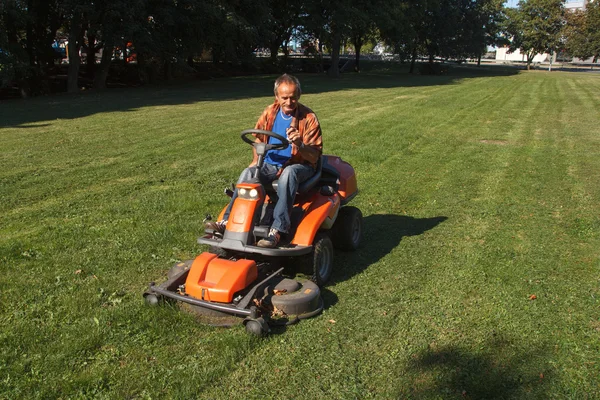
(190, 61)
(413, 60)
(334, 69)
(144, 73)
(274, 48)
(91, 55)
(29, 38)
(168, 66)
(73, 50)
(479, 60)
(320, 52)
(73, 74)
(104, 68)
(357, 48)
(286, 51)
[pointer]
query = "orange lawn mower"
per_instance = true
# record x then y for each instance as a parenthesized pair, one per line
(237, 278)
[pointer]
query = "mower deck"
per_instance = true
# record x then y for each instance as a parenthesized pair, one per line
(271, 294)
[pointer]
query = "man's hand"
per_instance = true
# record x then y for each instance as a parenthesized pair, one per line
(294, 136)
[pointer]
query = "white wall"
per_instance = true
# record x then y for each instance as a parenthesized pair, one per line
(502, 54)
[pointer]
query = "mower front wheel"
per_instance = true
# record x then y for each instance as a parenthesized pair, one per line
(256, 327)
(151, 299)
(322, 265)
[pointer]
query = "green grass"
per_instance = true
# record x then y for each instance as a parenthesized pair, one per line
(479, 189)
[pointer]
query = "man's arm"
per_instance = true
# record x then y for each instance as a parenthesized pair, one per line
(309, 143)
(307, 151)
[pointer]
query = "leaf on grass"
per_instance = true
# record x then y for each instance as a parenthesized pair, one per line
(77, 272)
(332, 321)
(532, 297)
(96, 321)
(278, 292)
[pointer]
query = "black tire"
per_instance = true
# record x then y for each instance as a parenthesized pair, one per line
(257, 327)
(348, 229)
(322, 260)
(151, 299)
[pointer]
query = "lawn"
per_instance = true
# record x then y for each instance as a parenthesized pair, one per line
(478, 276)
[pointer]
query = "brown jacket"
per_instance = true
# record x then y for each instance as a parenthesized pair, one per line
(307, 124)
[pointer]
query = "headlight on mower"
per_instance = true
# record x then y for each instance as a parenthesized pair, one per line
(248, 194)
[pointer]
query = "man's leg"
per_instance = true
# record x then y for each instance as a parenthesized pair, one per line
(291, 177)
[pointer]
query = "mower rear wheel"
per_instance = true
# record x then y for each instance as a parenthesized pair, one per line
(348, 230)
(322, 265)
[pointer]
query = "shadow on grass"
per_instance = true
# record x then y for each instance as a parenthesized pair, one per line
(498, 371)
(382, 233)
(21, 113)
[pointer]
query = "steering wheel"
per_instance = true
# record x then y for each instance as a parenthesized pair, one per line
(262, 148)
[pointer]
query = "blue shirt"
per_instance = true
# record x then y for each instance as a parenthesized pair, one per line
(279, 157)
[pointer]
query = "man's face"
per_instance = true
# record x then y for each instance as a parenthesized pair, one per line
(286, 97)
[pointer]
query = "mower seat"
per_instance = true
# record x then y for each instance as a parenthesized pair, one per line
(309, 183)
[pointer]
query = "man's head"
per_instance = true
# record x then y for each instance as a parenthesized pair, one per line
(287, 93)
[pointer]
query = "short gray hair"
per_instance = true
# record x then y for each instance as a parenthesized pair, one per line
(290, 80)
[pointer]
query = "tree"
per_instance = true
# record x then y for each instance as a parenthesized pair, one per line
(582, 32)
(361, 27)
(535, 27)
(481, 26)
(399, 23)
(75, 12)
(27, 31)
(282, 19)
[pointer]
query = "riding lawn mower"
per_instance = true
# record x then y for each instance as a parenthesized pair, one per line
(235, 277)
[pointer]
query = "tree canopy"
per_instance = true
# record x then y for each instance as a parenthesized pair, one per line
(582, 32)
(536, 27)
(167, 36)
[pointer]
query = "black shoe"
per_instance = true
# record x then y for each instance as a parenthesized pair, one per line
(270, 241)
(218, 226)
